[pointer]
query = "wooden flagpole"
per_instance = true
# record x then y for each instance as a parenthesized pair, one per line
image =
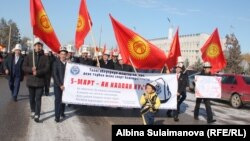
(93, 40)
(33, 51)
(133, 66)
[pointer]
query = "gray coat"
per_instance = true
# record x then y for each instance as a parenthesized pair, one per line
(42, 67)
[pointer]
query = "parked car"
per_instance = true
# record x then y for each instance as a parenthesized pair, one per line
(235, 89)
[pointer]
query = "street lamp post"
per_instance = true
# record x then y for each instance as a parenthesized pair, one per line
(9, 39)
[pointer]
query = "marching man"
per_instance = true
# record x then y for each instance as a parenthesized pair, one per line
(13, 70)
(59, 67)
(207, 72)
(36, 70)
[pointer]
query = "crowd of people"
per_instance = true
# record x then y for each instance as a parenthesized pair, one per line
(42, 65)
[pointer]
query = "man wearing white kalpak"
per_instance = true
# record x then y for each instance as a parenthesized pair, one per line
(36, 70)
(207, 72)
(13, 70)
(59, 67)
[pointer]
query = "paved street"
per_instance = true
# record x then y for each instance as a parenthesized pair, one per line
(91, 123)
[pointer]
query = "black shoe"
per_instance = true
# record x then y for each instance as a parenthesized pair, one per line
(196, 118)
(169, 114)
(15, 99)
(211, 121)
(63, 116)
(57, 120)
(176, 119)
(36, 119)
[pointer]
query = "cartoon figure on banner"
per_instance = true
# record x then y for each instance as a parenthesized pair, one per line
(162, 90)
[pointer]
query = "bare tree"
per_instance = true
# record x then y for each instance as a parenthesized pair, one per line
(234, 54)
(197, 65)
(5, 30)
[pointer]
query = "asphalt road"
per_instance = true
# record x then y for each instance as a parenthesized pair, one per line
(92, 123)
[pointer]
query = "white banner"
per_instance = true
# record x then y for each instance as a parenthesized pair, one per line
(85, 85)
(207, 87)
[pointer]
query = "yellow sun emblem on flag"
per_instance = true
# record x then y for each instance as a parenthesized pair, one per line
(213, 51)
(138, 48)
(80, 23)
(43, 22)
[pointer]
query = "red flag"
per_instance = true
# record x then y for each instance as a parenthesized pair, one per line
(42, 27)
(174, 52)
(83, 26)
(142, 53)
(212, 52)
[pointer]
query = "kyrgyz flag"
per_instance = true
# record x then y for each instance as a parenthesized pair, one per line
(132, 46)
(212, 52)
(83, 26)
(42, 27)
(174, 52)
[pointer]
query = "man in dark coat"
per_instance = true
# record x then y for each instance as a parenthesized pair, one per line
(36, 71)
(58, 75)
(51, 59)
(13, 70)
(207, 72)
(84, 58)
(182, 79)
(121, 66)
(71, 54)
(105, 62)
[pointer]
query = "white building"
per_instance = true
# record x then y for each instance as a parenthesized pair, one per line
(190, 45)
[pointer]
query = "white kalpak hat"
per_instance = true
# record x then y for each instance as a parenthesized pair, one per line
(207, 65)
(107, 52)
(119, 57)
(115, 53)
(18, 47)
(180, 60)
(70, 48)
(99, 53)
(38, 41)
(84, 50)
(95, 54)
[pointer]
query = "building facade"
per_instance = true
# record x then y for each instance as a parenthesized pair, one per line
(190, 45)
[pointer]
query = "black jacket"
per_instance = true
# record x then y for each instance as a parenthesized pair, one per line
(123, 67)
(86, 61)
(58, 72)
(8, 64)
(42, 67)
(73, 59)
(182, 82)
(109, 65)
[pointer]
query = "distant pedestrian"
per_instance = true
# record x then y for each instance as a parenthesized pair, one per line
(36, 77)
(13, 70)
(150, 103)
(207, 72)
